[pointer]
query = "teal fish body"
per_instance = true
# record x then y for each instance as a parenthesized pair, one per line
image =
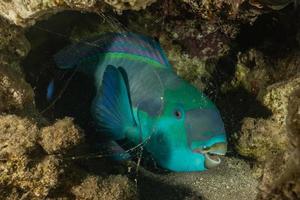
(141, 99)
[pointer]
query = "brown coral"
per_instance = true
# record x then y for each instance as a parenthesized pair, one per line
(282, 181)
(110, 188)
(253, 71)
(15, 93)
(260, 139)
(25, 13)
(22, 164)
(274, 141)
(26, 168)
(121, 5)
(53, 138)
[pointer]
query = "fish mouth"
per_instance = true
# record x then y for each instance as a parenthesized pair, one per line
(212, 154)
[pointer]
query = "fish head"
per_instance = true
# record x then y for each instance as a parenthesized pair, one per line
(191, 130)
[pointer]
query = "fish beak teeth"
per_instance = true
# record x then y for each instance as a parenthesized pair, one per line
(211, 160)
(212, 154)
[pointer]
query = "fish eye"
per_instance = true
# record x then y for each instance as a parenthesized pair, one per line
(178, 114)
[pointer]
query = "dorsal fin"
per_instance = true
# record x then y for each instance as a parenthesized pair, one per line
(127, 43)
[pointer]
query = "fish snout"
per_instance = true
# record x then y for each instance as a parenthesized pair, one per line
(212, 154)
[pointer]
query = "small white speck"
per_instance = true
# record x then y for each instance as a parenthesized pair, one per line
(175, 35)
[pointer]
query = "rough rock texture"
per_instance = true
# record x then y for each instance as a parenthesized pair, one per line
(111, 188)
(253, 71)
(121, 5)
(281, 98)
(264, 137)
(29, 171)
(22, 164)
(24, 13)
(274, 141)
(234, 8)
(260, 139)
(13, 43)
(15, 94)
(53, 138)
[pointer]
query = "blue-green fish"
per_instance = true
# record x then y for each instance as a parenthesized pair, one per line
(141, 99)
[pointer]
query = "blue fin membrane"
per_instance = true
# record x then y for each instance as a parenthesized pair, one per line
(111, 107)
(50, 90)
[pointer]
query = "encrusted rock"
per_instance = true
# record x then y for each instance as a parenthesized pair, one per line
(22, 164)
(26, 13)
(111, 188)
(274, 142)
(18, 137)
(276, 98)
(61, 136)
(253, 71)
(273, 4)
(28, 172)
(15, 93)
(260, 139)
(281, 178)
(206, 8)
(121, 5)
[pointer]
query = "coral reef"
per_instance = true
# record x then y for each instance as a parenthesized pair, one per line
(53, 138)
(31, 164)
(256, 79)
(272, 141)
(21, 167)
(261, 138)
(25, 13)
(121, 5)
(278, 98)
(15, 94)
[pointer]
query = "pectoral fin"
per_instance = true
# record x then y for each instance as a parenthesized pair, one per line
(111, 107)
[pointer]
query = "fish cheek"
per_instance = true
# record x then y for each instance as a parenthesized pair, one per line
(159, 148)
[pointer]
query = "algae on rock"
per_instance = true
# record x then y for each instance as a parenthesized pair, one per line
(33, 164)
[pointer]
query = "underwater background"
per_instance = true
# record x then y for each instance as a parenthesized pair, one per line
(243, 54)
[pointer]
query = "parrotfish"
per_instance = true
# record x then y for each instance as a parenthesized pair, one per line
(139, 98)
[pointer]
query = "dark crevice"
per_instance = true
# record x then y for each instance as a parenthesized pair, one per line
(271, 33)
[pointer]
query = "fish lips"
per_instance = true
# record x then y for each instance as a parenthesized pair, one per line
(212, 154)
